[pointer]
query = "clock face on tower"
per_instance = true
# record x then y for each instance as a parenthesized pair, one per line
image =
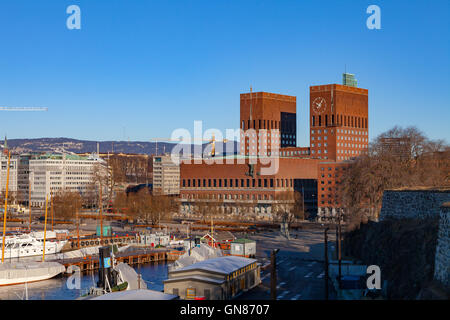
(319, 105)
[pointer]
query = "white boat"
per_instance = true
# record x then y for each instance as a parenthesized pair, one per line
(21, 272)
(31, 244)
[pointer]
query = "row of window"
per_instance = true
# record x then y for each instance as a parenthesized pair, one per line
(347, 121)
(230, 196)
(319, 138)
(319, 151)
(357, 132)
(294, 153)
(331, 168)
(319, 145)
(237, 183)
(241, 271)
(260, 124)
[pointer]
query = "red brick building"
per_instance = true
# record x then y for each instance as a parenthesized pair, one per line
(268, 122)
(338, 134)
(233, 185)
(338, 122)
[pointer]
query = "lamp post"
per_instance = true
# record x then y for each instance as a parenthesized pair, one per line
(273, 274)
(326, 262)
(339, 248)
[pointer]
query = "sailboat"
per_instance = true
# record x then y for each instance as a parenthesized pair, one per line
(25, 272)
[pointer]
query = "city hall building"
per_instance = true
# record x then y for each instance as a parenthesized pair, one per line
(339, 129)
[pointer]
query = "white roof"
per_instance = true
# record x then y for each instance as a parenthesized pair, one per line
(199, 278)
(201, 253)
(225, 265)
(136, 295)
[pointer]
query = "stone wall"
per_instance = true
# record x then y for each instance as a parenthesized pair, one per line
(442, 257)
(412, 204)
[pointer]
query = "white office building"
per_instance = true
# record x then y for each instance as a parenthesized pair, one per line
(13, 173)
(51, 173)
(166, 175)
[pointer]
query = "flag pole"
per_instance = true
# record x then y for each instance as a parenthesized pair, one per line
(6, 207)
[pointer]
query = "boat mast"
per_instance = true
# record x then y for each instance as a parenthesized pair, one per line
(6, 207)
(51, 206)
(78, 227)
(29, 203)
(212, 233)
(101, 216)
(45, 227)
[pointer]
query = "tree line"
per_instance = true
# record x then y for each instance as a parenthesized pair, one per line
(397, 158)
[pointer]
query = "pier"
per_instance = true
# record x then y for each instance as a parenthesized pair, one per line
(135, 257)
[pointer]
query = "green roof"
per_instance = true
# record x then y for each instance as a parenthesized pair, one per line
(243, 240)
(60, 156)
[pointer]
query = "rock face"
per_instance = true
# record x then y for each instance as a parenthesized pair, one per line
(412, 204)
(410, 244)
(442, 258)
(403, 249)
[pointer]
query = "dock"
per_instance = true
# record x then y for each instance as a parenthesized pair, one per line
(134, 257)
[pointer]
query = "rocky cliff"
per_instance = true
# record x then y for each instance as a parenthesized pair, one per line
(403, 249)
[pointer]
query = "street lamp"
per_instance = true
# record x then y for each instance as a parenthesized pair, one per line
(326, 262)
(273, 274)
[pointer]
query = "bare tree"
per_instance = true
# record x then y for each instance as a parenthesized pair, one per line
(281, 208)
(398, 158)
(66, 204)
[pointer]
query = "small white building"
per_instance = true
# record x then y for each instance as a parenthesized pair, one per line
(243, 247)
(154, 239)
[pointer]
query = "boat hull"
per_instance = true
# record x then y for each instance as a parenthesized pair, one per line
(11, 282)
(25, 272)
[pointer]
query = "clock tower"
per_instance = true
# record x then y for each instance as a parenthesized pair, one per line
(338, 121)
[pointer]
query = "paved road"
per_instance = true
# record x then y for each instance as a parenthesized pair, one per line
(300, 267)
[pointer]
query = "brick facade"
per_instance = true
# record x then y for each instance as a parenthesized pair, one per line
(339, 132)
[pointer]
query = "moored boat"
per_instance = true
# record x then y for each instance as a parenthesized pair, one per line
(21, 272)
(27, 245)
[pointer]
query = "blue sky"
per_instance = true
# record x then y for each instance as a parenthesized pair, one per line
(140, 69)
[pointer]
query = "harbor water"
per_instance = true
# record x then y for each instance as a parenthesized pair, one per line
(59, 288)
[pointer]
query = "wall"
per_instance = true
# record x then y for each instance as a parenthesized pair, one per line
(412, 204)
(442, 257)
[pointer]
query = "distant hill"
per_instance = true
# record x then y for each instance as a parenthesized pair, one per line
(59, 145)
